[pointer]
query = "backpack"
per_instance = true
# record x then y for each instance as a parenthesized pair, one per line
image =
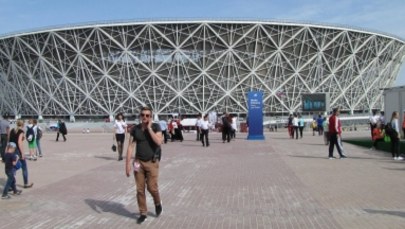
(39, 133)
(389, 130)
(30, 135)
(314, 124)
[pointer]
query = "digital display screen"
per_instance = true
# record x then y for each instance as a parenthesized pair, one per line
(318, 102)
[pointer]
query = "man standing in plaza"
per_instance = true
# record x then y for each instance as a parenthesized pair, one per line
(147, 137)
(226, 127)
(4, 134)
(335, 131)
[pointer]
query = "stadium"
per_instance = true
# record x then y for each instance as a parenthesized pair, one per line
(190, 67)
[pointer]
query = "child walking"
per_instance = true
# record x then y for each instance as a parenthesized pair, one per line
(10, 160)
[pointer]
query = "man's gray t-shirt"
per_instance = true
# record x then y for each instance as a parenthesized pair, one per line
(4, 125)
(145, 146)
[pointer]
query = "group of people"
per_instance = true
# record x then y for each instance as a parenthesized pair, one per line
(387, 131)
(173, 130)
(12, 152)
(295, 124)
(13, 146)
(328, 127)
(145, 145)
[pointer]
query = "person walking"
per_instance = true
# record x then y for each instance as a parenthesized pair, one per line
(395, 136)
(17, 137)
(234, 127)
(120, 129)
(335, 132)
(10, 160)
(314, 126)
(319, 122)
(61, 130)
(179, 130)
(295, 126)
(147, 138)
(164, 128)
(290, 127)
(4, 135)
(301, 124)
(226, 128)
(38, 138)
(325, 126)
(31, 137)
(205, 126)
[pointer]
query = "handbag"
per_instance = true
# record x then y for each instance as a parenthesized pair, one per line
(387, 138)
(113, 147)
(18, 165)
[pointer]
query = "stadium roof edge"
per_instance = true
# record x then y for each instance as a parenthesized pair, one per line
(188, 20)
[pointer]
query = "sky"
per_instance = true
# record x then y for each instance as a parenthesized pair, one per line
(386, 16)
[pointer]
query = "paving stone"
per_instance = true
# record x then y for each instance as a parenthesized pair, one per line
(275, 183)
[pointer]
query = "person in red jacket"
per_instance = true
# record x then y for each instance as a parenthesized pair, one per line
(378, 135)
(335, 131)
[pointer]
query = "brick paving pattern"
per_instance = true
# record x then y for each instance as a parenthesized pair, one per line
(276, 183)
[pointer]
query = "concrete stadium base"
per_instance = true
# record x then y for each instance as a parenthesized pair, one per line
(275, 183)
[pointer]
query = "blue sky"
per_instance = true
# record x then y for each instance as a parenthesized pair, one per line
(386, 16)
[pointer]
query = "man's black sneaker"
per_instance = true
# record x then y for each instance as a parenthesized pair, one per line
(343, 156)
(28, 185)
(158, 209)
(141, 219)
(18, 192)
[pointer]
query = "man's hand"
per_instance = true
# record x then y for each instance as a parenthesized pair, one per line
(128, 167)
(149, 124)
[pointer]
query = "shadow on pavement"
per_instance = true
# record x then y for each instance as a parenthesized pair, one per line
(394, 213)
(336, 157)
(403, 169)
(106, 158)
(100, 206)
(317, 157)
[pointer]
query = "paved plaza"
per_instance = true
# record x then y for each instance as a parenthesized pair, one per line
(276, 183)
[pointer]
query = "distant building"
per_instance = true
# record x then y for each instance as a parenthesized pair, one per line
(192, 67)
(394, 98)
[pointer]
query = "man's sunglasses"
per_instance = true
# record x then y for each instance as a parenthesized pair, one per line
(145, 115)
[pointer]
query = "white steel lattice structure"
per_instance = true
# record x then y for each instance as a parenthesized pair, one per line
(191, 67)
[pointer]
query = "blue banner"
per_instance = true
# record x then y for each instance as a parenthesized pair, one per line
(255, 115)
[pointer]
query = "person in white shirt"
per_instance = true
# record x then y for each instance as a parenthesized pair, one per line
(373, 121)
(295, 126)
(205, 126)
(234, 127)
(381, 119)
(120, 129)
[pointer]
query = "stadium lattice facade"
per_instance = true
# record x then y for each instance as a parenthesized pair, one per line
(191, 67)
